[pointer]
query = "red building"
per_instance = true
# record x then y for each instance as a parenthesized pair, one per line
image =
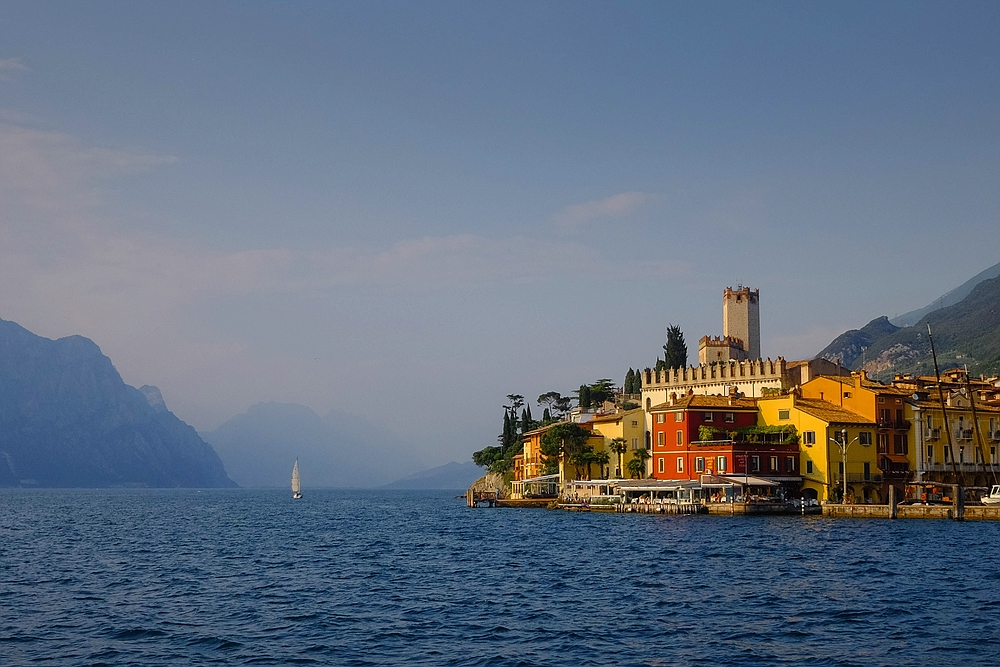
(713, 435)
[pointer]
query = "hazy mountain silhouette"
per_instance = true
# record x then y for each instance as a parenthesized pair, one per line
(452, 475)
(949, 299)
(339, 450)
(67, 419)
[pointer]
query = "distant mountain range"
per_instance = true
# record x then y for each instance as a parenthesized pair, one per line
(966, 333)
(338, 450)
(452, 475)
(68, 420)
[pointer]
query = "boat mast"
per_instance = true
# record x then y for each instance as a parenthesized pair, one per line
(944, 411)
(975, 424)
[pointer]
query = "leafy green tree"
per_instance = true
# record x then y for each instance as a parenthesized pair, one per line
(555, 403)
(564, 439)
(487, 456)
(675, 352)
(637, 464)
(583, 397)
(602, 390)
(619, 446)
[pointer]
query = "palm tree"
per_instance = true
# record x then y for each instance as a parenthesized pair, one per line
(619, 446)
(601, 459)
(637, 464)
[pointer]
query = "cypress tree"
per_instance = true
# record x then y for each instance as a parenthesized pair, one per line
(584, 397)
(546, 415)
(675, 352)
(525, 421)
(629, 379)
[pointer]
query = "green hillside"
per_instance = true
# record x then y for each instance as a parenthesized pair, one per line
(965, 334)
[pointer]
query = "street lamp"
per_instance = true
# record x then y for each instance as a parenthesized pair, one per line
(844, 446)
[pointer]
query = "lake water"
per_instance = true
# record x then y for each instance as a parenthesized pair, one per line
(135, 577)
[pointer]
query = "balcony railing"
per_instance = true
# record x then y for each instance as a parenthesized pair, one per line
(963, 434)
(938, 466)
(898, 424)
(934, 434)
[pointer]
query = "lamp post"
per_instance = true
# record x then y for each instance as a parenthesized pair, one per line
(844, 446)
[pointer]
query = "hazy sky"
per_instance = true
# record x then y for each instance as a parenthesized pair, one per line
(409, 210)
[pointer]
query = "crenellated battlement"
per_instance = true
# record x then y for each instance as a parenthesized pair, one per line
(760, 370)
(720, 341)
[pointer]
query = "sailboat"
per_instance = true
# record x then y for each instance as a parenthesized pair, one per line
(296, 487)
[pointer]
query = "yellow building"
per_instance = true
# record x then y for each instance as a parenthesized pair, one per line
(532, 462)
(818, 424)
(888, 408)
(631, 426)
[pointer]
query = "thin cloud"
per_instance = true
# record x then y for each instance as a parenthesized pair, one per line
(616, 206)
(9, 66)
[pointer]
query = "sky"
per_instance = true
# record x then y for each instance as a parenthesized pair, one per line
(408, 210)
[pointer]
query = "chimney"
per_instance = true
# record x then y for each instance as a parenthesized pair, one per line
(673, 397)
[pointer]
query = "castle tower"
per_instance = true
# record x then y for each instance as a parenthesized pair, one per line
(741, 318)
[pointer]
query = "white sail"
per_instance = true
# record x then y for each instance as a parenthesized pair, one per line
(296, 488)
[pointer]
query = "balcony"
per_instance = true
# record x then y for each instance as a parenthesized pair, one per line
(934, 434)
(963, 434)
(895, 424)
(995, 436)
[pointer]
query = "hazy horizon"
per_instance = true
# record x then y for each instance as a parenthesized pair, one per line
(407, 211)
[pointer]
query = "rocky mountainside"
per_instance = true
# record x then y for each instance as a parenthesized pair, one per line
(849, 347)
(68, 420)
(965, 334)
(338, 450)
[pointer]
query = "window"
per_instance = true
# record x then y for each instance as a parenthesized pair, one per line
(659, 464)
(865, 438)
(660, 418)
(774, 464)
(885, 415)
(789, 464)
(847, 394)
(661, 439)
(730, 417)
(784, 414)
(680, 464)
(678, 416)
(947, 455)
(961, 454)
(809, 437)
(635, 443)
(881, 399)
(809, 466)
(708, 416)
(720, 463)
(635, 423)
(899, 443)
(930, 422)
(754, 464)
(883, 443)
(930, 452)
(993, 455)
(680, 437)
(699, 464)
(868, 471)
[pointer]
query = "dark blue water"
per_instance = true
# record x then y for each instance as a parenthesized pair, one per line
(357, 578)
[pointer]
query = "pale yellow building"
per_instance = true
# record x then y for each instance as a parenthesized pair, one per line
(629, 425)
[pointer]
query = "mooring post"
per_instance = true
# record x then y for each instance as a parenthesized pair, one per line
(959, 502)
(892, 502)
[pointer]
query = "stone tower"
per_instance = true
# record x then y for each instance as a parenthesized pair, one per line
(741, 318)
